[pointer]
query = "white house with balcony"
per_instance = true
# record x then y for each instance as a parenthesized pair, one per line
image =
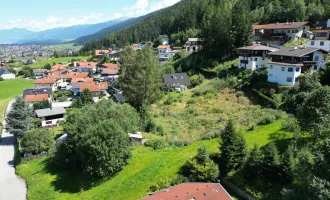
(165, 53)
(50, 116)
(321, 38)
(288, 63)
(254, 57)
(5, 74)
(193, 44)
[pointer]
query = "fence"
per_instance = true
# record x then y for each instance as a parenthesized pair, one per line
(238, 191)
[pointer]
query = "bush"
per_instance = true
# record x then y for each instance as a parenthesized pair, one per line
(1, 79)
(156, 143)
(267, 119)
(179, 143)
(196, 79)
(173, 97)
(37, 141)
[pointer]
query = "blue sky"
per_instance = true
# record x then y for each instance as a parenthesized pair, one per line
(39, 15)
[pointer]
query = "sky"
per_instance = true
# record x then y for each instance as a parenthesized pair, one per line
(38, 15)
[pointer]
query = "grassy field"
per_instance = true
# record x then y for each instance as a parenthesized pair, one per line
(145, 168)
(40, 65)
(60, 47)
(292, 43)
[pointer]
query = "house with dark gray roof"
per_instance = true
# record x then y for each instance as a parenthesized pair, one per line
(50, 116)
(35, 91)
(288, 63)
(177, 81)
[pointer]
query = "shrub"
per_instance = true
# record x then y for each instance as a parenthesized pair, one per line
(173, 97)
(155, 143)
(210, 135)
(1, 79)
(196, 79)
(191, 101)
(36, 141)
(179, 143)
(267, 119)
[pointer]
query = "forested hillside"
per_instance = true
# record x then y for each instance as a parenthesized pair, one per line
(223, 24)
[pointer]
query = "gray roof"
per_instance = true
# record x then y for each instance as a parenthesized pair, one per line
(4, 72)
(299, 52)
(50, 112)
(31, 91)
(177, 79)
(119, 97)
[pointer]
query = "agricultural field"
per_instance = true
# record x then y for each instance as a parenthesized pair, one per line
(40, 65)
(59, 47)
(146, 167)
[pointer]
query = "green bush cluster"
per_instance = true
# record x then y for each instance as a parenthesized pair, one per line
(173, 97)
(156, 143)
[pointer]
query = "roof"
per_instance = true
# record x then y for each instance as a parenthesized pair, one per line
(36, 97)
(110, 66)
(135, 45)
(83, 64)
(287, 64)
(189, 191)
(50, 112)
(40, 70)
(33, 91)
(72, 75)
(292, 52)
(107, 71)
(287, 25)
(102, 52)
(177, 79)
(119, 97)
(163, 47)
(135, 135)
(92, 87)
(86, 80)
(258, 47)
(194, 39)
(4, 72)
(45, 81)
(57, 67)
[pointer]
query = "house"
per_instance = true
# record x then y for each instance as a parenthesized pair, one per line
(36, 98)
(33, 91)
(5, 74)
(165, 39)
(136, 46)
(96, 89)
(190, 191)
(83, 66)
(278, 33)
(115, 55)
(177, 81)
(109, 71)
(45, 83)
(57, 67)
(193, 44)
(135, 138)
(288, 63)
(50, 116)
(321, 37)
(101, 53)
(254, 56)
(40, 73)
(165, 53)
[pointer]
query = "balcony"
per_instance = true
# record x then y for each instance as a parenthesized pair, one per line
(244, 61)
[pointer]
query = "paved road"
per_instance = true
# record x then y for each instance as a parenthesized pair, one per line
(11, 186)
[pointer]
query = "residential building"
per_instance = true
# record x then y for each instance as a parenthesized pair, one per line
(45, 83)
(135, 138)
(321, 37)
(101, 53)
(96, 89)
(254, 56)
(177, 81)
(190, 191)
(5, 74)
(193, 44)
(83, 66)
(165, 39)
(278, 33)
(33, 91)
(115, 55)
(288, 63)
(40, 73)
(50, 116)
(36, 98)
(165, 53)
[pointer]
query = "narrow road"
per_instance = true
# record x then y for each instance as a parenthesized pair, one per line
(11, 186)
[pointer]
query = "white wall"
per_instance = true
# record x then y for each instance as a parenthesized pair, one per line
(317, 44)
(53, 122)
(294, 36)
(276, 75)
(253, 62)
(8, 76)
(318, 56)
(51, 86)
(328, 23)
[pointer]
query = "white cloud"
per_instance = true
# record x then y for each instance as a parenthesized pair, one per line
(141, 7)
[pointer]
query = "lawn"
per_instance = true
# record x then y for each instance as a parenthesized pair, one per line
(40, 65)
(145, 168)
(10, 89)
(59, 47)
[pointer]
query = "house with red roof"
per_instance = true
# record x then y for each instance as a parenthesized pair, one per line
(36, 98)
(84, 66)
(102, 52)
(278, 33)
(45, 83)
(190, 191)
(96, 89)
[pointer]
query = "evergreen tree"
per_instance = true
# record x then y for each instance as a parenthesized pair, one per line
(232, 148)
(140, 78)
(254, 162)
(19, 119)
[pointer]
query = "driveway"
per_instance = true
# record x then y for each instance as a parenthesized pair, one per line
(11, 186)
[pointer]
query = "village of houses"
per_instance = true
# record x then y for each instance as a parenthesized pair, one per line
(285, 65)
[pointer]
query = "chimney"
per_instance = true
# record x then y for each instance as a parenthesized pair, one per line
(277, 23)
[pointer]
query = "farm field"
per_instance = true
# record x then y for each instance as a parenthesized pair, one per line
(40, 65)
(146, 167)
(59, 47)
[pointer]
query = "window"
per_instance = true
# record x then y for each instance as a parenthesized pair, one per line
(270, 74)
(288, 31)
(290, 69)
(289, 79)
(321, 34)
(251, 59)
(283, 69)
(312, 42)
(297, 69)
(271, 67)
(257, 66)
(255, 59)
(322, 43)
(316, 58)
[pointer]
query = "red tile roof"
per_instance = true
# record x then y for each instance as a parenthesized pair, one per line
(258, 47)
(92, 87)
(188, 191)
(86, 80)
(57, 67)
(290, 25)
(72, 75)
(135, 45)
(45, 81)
(163, 47)
(35, 98)
(83, 64)
(102, 52)
(110, 66)
(107, 71)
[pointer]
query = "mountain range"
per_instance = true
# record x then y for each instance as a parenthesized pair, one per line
(55, 35)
